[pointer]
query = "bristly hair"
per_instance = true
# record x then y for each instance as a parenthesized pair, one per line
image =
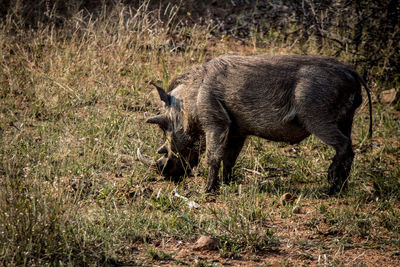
(177, 80)
(195, 73)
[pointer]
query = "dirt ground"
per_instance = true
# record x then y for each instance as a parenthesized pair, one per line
(304, 239)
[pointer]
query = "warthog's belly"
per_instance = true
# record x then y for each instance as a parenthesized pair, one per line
(290, 132)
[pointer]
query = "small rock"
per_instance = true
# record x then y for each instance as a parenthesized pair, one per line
(206, 243)
(388, 96)
(286, 199)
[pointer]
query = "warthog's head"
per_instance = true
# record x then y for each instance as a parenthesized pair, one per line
(182, 149)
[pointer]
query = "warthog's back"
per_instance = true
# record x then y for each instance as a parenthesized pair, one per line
(272, 96)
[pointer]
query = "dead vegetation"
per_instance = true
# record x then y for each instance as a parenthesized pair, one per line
(74, 96)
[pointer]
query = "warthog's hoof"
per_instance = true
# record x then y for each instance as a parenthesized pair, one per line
(337, 188)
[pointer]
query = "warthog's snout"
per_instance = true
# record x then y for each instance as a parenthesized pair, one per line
(169, 167)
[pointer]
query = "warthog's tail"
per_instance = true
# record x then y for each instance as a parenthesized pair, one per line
(369, 102)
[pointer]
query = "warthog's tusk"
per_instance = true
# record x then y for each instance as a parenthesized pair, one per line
(145, 161)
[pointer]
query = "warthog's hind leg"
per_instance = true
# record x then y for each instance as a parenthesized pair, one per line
(339, 170)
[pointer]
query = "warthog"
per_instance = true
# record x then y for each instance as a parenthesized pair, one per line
(215, 106)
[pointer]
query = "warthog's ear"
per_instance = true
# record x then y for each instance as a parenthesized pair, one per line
(166, 98)
(160, 120)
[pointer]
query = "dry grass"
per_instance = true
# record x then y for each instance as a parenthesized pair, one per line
(73, 101)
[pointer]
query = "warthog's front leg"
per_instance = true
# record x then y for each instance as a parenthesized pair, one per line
(232, 151)
(216, 124)
(215, 147)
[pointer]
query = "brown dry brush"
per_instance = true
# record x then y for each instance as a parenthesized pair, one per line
(366, 33)
(369, 31)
